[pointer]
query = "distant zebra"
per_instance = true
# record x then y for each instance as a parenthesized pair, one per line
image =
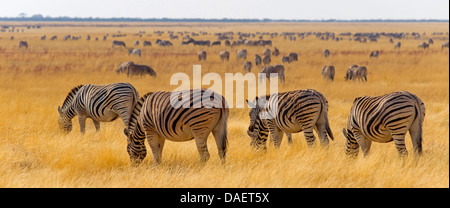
(424, 45)
(295, 111)
(101, 103)
(258, 60)
(160, 116)
(201, 55)
(241, 54)
(293, 57)
(224, 55)
(267, 59)
(118, 43)
(384, 119)
(267, 70)
(326, 53)
(146, 43)
(356, 72)
(132, 69)
(430, 41)
(43, 37)
(23, 44)
(275, 51)
(328, 72)
(266, 52)
(136, 42)
(163, 42)
(247, 66)
(285, 59)
(54, 37)
(398, 45)
(444, 45)
(136, 52)
(374, 54)
(217, 43)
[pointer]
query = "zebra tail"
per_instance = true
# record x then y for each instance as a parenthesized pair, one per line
(221, 126)
(325, 114)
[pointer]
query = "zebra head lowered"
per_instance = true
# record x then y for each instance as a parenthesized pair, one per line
(257, 130)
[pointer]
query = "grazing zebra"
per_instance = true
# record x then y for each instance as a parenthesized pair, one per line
(293, 57)
(160, 115)
(266, 52)
(215, 43)
(54, 37)
(285, 59)
(136, 42)
(201, 55)
(247, 66)
(43, 37)
(326, 53)
(88, 37)
(258, 60)
(136, 52)
(163, 42)
(275, 52)
(146, 43)
(384, 119)
(267, 59)
(356, 72)
(398, 45)
(101, 103)
(23, 44)
(295, 111)
(430, 41)
(328, 72)
(424, 45)
(444, 45)
(224, 55)
(241, 54)
(118, 43)
(276, 69)
(374, 54)
(132, 69)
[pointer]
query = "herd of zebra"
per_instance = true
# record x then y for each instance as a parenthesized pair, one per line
(159, 116)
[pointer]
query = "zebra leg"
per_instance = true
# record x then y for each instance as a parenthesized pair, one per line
(220, 135)
(309, 136)
(415, 131)
(82, 121)
(96, 124)
(276, 134)
(322, 132)
(399, 141)
(154, 142)
(363, 142)
(289, 137)
(202, 148)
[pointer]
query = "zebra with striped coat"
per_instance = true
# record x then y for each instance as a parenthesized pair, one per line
(23, 44)
(132, 69)
(118, 43)
(267, 70)
(384, 119)
(101, 103)
(289, 112)
(224, 55)
(161, 116)
(326, 53)
(136, 52)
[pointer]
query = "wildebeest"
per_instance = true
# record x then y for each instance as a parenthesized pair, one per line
(132, 69)
(328, 72)
(275, 51)
(398, 45)
(267, 59)
(146, 43)
(270, 69)
(258, 60)
(424, 45)
(247, 66)
(374, 54)
(356, 72)
(326, 53)
(241, 54)
(136, 52)
(118, 43)
(293, 57)
(201, 55)
(224, 55)
(23, 44)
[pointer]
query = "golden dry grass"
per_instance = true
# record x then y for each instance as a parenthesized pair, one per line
(33, 82)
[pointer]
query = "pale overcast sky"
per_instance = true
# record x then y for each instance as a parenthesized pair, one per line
(259, 9)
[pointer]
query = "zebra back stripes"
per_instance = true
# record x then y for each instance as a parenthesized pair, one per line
(160, 115)
(384, 119)
(290, 112)
(101, 103)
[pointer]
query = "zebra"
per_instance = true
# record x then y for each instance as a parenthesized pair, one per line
(384, 119)
(295, 111)
(136, 42)
(241, 54)
(266, 52)
(247, 66)
(355, 72)
(398, 45)
(43, 37)
(444, 45)
(101, 103)
(163, 42)
(131, 69)
(136, 52)
(201, 55)
(269, 69)
(328, 72)
(275, 51)
(215, 43)
(293, 57)
(424, 45)
(224, 55)
(160, 116)
(23, 44)
(118, 43)
(374, 54)
(54, 37)
(267, 59)
(326, 53)
(146, 43)
(430, 41)
(258, 60)
(285, 59)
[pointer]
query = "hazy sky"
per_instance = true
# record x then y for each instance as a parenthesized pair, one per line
(259, 9)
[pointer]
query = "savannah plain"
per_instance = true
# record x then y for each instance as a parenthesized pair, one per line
(34, 82)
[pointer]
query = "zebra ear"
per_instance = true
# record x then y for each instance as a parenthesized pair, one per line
(344, 131)
(59, 110)
(250, 104)
(125, 131)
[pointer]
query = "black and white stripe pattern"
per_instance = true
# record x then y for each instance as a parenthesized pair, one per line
(164, 115)
(101, 103)
(384, 119)
(289, 112)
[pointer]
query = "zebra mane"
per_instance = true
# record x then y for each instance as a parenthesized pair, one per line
(71, 95)
(135, 115)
